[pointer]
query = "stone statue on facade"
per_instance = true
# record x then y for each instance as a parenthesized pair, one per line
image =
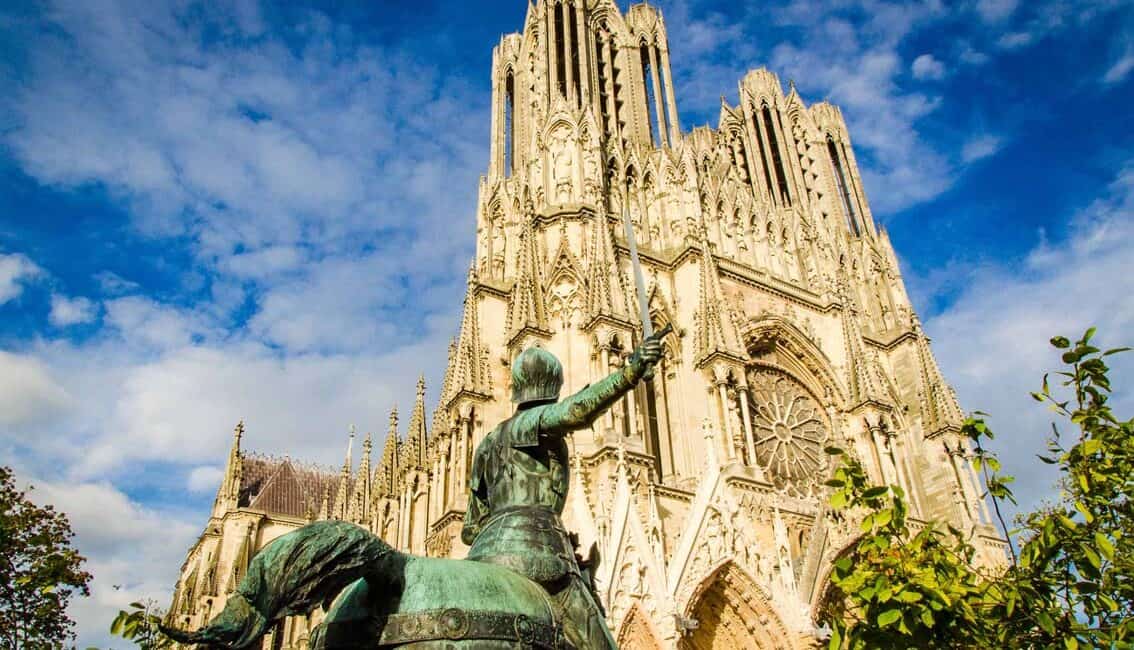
(521, 585)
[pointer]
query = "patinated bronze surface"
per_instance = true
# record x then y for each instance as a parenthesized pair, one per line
(520, 586)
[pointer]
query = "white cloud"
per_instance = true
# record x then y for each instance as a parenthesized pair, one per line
(267, 157)
(113, 284)
(146, 322)
(132, 551)
(927, 67)
(16, 271)
(971, 56)
(71, 311)
(996, 10)
(205, 478)
(28, 392)
(1120, 69)
(1016, 40)
(980, 147)
(992, 342)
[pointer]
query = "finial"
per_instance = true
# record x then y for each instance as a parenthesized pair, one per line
(238, 432)
(791, 85)
(421, 385)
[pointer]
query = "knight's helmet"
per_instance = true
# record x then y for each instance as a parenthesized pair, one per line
(537, 376)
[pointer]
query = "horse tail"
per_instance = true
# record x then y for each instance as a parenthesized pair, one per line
(292, 576)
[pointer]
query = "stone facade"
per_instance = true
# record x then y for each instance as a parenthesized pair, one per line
(702, 490)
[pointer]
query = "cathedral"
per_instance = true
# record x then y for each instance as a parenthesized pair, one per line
(701, 492)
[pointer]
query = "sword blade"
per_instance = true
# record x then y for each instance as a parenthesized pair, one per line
(639, 279)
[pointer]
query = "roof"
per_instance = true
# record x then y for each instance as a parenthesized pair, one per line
(282, 486)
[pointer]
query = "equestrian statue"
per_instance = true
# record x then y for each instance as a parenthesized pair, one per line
(521, 585)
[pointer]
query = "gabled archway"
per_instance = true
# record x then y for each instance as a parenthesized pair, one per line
(732, 613)
(637, 633)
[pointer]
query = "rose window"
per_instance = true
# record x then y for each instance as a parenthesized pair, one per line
(789, 430)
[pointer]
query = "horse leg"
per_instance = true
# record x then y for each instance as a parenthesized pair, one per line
(292, 575)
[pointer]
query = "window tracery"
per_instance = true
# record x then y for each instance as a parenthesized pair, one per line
(789, 430)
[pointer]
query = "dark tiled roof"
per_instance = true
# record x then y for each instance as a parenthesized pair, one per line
(282, 486)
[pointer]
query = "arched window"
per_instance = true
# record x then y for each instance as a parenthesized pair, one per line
(650, 95)
(843, 187)
(509, 123)
(576, 69)
(777, 159)
(560, 49)
(759, 134)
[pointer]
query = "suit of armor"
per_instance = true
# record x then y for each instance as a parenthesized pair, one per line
(519, 488)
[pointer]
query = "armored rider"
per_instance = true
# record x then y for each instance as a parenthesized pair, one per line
(519, 484)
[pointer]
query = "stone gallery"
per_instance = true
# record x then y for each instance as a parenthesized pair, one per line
(698, 496)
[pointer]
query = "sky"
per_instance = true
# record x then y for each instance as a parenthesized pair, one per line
(221, 210)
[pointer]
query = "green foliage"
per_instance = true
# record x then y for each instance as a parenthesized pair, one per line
(140, 625)
(1072, 583)
(39, 571)
(899, 587)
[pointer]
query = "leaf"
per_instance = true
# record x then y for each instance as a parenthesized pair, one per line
(1116, 351)
(875, 492)
(1061, 342)
(1105, 546)
(1045, 622)
(889, 617)
(927, 617)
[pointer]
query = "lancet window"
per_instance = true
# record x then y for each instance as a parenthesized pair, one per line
(560, 49)
(841, 181)
(650, 95)
(576, 73)
(764, 159)
(509, 123)
(777, 159)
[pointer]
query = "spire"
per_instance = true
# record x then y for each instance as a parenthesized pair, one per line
(340, 507)
(228, 495)
(417, 436)
(716, 331)
(440, 413)
(386, 475)
(606, 293)
(360, 501)
(939, 407)
(470, 374)
(861, 379)
(526, 304)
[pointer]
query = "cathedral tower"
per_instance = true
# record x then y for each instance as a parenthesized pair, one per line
(701, 490)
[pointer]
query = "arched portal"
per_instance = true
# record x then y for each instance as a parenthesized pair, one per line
(731, 613)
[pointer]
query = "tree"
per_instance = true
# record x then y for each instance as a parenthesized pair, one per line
(39, 571)
(1072, 583)
(140, 625)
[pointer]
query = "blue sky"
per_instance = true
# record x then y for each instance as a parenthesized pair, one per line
(211, 211)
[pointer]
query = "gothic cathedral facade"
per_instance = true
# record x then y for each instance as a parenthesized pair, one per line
(702, 490)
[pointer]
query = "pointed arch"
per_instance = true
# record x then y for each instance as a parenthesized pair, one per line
(637, 631)
(773, 340)
(733, 613)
